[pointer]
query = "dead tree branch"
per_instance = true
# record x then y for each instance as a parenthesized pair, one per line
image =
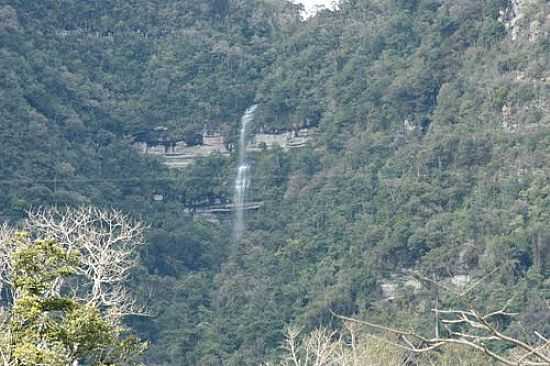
(475, 331)
(107, 241)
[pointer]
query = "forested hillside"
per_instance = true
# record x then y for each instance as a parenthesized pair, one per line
(430, 165)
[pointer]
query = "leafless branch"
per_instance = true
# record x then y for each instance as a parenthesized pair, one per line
(107, 242)
(7, 247)
(476, 332)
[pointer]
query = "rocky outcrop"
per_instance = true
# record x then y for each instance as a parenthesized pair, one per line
(397, 285)
(286, 139)
(526, 110)
(391, 287)
(178, 154)
(526, 19)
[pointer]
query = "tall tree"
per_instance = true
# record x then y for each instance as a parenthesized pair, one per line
(45, 326)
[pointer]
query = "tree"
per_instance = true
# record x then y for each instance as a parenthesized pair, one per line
(46, 326)
(69, 273)
(352, 347)
(106, 241)
(471, 330)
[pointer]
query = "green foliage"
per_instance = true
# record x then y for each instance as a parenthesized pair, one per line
(431, 156)
(46, 327)
(353, 346)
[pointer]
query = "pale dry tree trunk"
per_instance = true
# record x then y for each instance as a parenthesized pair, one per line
(319, 348)
(5, 358)
(7, 247)
(6, 349)
(324, 347)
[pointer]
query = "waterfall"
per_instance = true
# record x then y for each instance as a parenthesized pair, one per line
(242, 180)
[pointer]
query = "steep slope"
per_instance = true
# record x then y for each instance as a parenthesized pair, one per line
(431, 156)
(80, 79)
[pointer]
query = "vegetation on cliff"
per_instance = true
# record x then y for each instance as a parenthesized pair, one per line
(430, 162)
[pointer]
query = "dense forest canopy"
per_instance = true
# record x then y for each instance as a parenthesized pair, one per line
(431, 157)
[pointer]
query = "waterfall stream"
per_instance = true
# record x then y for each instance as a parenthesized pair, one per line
(242, 180)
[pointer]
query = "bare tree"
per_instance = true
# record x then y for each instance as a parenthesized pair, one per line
(7, 247)
(106, 241)
(318, 348)
(468, 329)
(5, 344)
(323, 347)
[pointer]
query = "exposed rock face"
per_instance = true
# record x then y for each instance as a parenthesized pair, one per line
(177, 154)
(460, 281)
(526, 19)
(508, 122)
(408, 125)
(511, 16)
(312, 7)
(390, 287)
(286, 140)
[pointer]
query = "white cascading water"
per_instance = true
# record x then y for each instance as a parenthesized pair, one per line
(242, 181)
